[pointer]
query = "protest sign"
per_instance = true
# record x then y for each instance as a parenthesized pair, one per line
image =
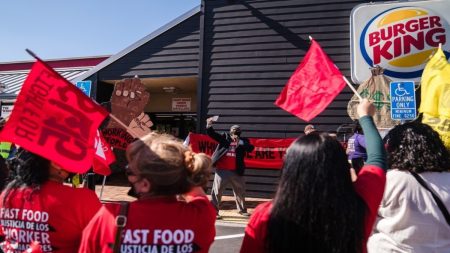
(54, 119)
(268, 153)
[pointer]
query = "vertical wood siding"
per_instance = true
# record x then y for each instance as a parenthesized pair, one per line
(172, 54)
(252, 47)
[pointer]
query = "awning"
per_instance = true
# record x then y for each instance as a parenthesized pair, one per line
(11, 81)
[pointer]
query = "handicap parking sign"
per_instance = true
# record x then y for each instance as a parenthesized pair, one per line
(85, 86)
(403, 100)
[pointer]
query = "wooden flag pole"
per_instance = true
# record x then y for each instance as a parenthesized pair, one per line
(352, 88)
(346, 81)
(103, 186)
(124, 126)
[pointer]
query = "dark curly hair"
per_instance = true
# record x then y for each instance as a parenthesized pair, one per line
(3, 173)
(316, 208)
(27, 170)
(416, 147)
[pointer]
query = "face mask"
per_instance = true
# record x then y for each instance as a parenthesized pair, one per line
(133, 192)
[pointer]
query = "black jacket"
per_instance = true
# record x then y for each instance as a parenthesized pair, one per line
(224, 141)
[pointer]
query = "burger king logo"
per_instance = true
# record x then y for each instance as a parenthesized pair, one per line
(402, 39)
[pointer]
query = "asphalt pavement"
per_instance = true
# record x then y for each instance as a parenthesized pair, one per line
(229, 237)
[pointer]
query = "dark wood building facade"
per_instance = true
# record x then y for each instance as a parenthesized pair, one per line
(240, 54)
(251, 48)
(170, 52)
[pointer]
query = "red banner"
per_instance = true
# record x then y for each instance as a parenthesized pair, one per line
(268, 153)
(55, 119)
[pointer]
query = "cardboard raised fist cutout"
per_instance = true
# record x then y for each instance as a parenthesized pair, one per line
(128, 101)
(140, 125)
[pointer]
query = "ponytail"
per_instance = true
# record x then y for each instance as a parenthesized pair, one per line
(199, 168)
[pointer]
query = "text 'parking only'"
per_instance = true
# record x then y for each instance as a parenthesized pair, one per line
(403, 101)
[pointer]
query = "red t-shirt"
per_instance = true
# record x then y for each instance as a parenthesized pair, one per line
(228, 161)
(369, 185)
(55, 216)
(154, 225)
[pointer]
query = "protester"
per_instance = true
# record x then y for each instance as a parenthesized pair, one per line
(317, 208)
(7, 149)
(4, 174)
(309, 129)
(409, 219)
(356, 148)
(228, 159)
(159, 168)
(35, 207)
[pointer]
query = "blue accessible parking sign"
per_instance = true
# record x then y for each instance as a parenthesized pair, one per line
(403, 101)
(85, 86)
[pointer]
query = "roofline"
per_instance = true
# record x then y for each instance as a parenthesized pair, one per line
(56, 59)
(139, 43)
(61, 63)
(25, 71)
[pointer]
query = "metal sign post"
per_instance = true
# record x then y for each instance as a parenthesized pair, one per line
(403, 101)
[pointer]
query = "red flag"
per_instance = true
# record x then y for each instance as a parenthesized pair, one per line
(312, 87)
(54, 119)
(104, 156)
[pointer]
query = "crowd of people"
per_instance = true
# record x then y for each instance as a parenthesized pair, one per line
(396, 202)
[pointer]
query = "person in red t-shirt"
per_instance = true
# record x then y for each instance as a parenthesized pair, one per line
(317, 207)
(37, 209)
(228, 160)
(160, 167)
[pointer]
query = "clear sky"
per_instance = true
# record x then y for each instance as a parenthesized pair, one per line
(55, 29)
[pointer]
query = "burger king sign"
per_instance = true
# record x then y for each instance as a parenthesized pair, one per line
(400, 37)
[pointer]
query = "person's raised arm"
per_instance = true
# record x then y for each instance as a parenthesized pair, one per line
(211, 132)
(376, 154)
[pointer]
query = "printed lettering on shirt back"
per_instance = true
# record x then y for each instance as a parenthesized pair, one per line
(24, 226)
(158, 241)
